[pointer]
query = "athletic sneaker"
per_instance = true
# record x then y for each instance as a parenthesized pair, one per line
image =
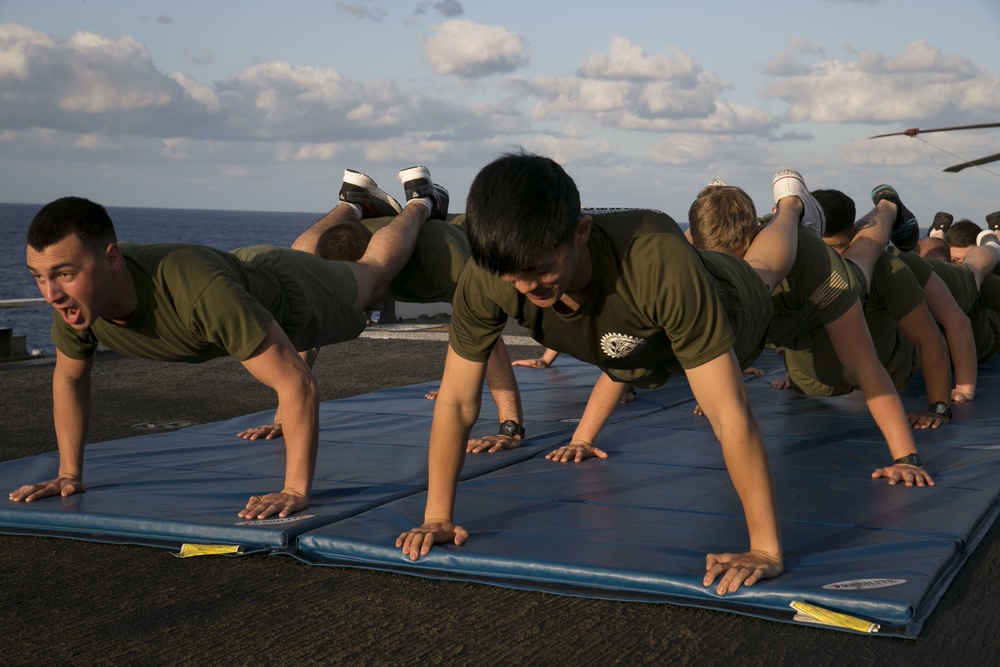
(360, 190)
(788, 183)
(942, 221)
(905, 230)
(418, 185)
(993, 221)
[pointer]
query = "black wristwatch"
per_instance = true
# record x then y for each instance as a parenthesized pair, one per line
(940, 408)
(511, 428)
(910, 460)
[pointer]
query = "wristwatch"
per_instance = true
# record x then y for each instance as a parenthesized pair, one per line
(910, 460)
(511, 428)
(940, 408)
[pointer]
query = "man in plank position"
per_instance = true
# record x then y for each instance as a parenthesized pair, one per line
(623, 290)
(190, 303)
(430, 275)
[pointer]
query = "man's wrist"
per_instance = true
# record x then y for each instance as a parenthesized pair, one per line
(910, 460)
(940, 408)
(511, 428)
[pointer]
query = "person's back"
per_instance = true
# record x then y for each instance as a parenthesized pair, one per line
(431, 273)
(894, 293)
(820, 288)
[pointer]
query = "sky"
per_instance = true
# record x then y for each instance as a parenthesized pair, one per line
(250, 105)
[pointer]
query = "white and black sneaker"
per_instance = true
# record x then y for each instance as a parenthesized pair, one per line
(417, 184)
(993, 221)
(942, 221)
(789, 183)
(360, 190)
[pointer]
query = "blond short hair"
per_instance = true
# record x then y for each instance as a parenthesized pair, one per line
(723, 218)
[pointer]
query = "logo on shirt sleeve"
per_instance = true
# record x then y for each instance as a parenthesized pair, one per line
(617, 345)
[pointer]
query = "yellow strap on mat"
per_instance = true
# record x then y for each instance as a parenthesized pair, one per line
(190, 550)
(835, 618)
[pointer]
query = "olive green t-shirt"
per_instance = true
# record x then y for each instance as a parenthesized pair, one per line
(196, 303)
(439, 257)
(894, 293)
(653, 306)
(820, 288)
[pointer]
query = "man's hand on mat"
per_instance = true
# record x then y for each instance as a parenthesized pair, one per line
(60, 486)
(265, 432)
(576, 452)
(492, 443)
(901, 472)
(782, 383)
(740, 570)
(418, 541)
(963, 394)
(927, 419)
(284, 503)
(530, 363)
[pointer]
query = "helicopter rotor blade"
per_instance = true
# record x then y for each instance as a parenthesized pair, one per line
(914, 131)
(973, 163)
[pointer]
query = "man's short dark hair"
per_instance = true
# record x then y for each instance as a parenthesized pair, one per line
(933, 248)
(962, 234)
(71, 215)
(345, 242)
(839, 210)
(519, 206)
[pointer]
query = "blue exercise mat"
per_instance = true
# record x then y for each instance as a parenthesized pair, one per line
(186, 486)
(635, 526)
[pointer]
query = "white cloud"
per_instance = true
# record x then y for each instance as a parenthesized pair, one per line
(468, 49)
(84, 75)
(628, 89)
(711, 151)
(86, 83)
(91, 84)
(919, 84)
(627, 60)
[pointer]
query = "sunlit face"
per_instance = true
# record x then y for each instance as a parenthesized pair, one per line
(547, 279)
(958, 254)
(554, 273)
(75, 280)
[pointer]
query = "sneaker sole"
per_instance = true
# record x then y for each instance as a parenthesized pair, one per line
(789, 183)
(416, 173)
(371, 188)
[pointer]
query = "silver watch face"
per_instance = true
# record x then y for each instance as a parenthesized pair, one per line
(510, 428)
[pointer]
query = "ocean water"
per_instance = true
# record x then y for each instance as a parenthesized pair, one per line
(219, 229)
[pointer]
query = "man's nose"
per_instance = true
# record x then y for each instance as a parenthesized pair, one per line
(525, 284)
(51, 291)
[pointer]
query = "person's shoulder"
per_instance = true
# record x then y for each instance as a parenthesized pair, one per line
(645, 219)
(632, 228)
(157, 252)
(812, 249)
(181, 261)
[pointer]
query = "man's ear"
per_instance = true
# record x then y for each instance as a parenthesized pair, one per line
(113, 256)
(583, 227)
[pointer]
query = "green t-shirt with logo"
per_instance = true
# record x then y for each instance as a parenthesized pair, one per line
(655, 305)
